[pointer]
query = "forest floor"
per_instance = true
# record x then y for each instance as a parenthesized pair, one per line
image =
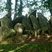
(30, 39)
(28, 47)
(40, 39)
(32, 44)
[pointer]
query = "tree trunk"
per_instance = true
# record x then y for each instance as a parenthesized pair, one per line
(15, 9)
(51, 11)
(50, 22)
(20, 9)
(8, 6)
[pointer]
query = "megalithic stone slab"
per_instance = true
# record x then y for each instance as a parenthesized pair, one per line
(43, 22)
(34, 22)
(26, 23)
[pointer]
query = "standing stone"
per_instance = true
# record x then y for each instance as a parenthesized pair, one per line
(43, 22)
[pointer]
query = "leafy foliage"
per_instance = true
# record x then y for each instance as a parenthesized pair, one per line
(48, 4)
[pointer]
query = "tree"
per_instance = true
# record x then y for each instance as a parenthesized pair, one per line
(48, 4)
(8, 7)
(20, 8)
(15, 9)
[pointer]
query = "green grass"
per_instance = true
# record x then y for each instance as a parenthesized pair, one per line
(31, 47)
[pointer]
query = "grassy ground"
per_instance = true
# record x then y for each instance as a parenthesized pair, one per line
(30, 47)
